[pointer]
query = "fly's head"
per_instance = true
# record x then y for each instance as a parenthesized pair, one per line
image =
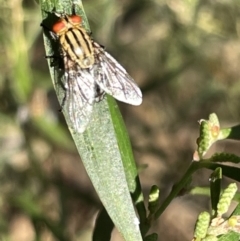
(65, 23)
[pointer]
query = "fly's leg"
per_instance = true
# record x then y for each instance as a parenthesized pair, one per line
(99, 93)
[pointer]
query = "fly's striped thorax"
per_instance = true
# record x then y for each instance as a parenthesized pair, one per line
(77, 44)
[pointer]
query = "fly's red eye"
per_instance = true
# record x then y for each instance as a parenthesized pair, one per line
(75, 19)
(59, 26)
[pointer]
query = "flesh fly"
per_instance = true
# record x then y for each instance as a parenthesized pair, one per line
(89, 73)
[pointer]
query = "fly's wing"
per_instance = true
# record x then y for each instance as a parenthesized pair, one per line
(113, 78)
(79, 96)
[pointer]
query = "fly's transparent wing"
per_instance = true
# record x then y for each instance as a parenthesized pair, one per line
(80, 95)
(113, 78)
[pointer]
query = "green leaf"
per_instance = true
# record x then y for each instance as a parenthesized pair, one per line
(209, 133)
(129, 164)
(228, 171)
(104, 147)
(215, 188)
(231, 236)
(226, 199)
(202, 225)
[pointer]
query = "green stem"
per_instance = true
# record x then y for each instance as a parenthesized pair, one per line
(182, 183)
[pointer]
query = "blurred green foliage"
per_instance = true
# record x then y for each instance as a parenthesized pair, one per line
(185, 56)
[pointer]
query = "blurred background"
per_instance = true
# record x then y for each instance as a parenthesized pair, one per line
(185, 56)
